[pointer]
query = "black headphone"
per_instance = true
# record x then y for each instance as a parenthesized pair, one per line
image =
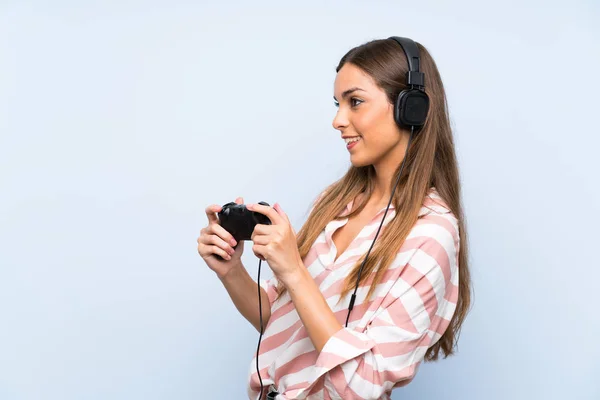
(412, 104)
(410, 111)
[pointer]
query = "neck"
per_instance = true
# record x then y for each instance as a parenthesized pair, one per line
(384, 172)
(382, 189)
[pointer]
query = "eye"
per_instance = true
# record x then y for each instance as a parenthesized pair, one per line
(353, 99)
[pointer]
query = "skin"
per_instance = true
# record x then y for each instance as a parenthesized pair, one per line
(366, 113)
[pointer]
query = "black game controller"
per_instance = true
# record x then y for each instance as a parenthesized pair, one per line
(239, 221)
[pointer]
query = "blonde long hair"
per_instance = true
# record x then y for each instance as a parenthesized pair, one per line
(431, 161)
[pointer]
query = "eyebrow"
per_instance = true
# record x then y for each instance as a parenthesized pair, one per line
(347, 92)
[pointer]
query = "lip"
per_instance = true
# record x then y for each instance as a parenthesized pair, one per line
(351, 145)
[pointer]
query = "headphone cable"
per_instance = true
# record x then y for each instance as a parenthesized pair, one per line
(380, 225)
(261, 330)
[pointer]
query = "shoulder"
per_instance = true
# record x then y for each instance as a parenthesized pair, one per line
(436, 218)
(433, 203)
(434, 240)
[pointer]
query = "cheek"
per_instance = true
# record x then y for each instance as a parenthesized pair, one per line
(369, 120)
(368, 123)
(378, 129)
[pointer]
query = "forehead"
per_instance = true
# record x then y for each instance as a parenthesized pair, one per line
(351, 76)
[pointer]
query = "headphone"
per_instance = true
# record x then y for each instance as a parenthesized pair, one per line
(410, 111)
(412, 104)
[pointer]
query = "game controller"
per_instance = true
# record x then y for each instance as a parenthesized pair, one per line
(239, 221)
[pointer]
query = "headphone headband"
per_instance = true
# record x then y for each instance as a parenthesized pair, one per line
(414, 77)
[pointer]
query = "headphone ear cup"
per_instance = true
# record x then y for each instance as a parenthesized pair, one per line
(411, 108)
(398, 108)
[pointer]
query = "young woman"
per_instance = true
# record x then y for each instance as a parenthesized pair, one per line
(390, 230)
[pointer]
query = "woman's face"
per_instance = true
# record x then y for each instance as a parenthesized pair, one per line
(364, 112)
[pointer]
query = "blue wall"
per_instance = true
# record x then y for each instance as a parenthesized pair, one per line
(121, 122)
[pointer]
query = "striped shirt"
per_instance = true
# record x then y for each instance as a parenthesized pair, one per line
(387, 336)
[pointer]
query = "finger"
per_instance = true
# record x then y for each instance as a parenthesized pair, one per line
(219, 251)
(275, 218)
(239, 200)
(211, 212)
(262, 229)
(262, 240)
(209, 250)
(258, 250)
(280, 211)
(222, 233)
(217, 241)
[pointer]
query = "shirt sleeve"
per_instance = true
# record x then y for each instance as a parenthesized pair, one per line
(270, 286)
(413, 316)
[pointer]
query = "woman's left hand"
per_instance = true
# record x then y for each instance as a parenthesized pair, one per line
(276, 243)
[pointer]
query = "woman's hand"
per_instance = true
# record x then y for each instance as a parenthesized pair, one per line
(276, 243)
(215, 240)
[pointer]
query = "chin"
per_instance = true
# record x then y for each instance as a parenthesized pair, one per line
(359, 162)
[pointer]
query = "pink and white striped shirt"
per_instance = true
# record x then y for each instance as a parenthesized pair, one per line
(387, 336)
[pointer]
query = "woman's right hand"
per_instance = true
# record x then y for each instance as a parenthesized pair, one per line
(215, 240)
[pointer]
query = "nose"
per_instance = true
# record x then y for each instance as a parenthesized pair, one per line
(340, 121)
